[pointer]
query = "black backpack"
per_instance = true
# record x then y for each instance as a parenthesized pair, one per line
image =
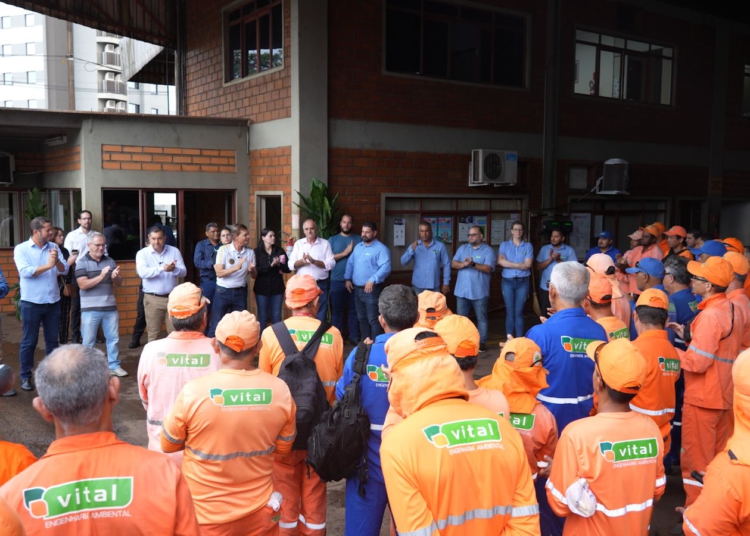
(339, 440)
(301, 376)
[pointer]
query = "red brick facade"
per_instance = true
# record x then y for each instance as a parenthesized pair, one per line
(271, 170)
(139, 158)
(51, 161)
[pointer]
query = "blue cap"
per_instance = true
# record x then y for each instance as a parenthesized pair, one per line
(604, 234)
(652, 267)
(713, 248)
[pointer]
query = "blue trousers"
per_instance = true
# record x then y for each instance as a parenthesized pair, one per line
(32, 316)
(368, 312)
(420, 290)
(550, 523)
(208, 288)
(464, 306)
(343, 306)
(110, 322)
(515, 292)
(364, 515)
(268, 307)
(324, 285)
(226, 300)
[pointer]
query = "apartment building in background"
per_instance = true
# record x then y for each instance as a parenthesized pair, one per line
(48, 63)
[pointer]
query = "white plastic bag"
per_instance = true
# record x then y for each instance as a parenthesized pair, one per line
(581, 500)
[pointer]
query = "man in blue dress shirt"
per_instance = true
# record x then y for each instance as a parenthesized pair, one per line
(366, 270)
(604, 245)
(475, 263)
(204, 259)
(429, 258)
(39, 262)
(549, 256)
(341, 300)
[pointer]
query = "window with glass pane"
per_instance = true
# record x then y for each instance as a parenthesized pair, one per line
(122, 224)
(255, 38)
(31, 77)
(746, 92)
(442, 40)
(9, 220)
(30, 49)
(623, 69)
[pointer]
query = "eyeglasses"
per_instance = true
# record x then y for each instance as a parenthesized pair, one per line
(696, 278)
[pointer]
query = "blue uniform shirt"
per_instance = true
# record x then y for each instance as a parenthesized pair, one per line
(374, 398)
(368, 263)
(427, 264)
(338, 244)
(613, 252)
(471, 283)
(563, 340)
(43, 288)
(567, 253)
(683, 306)
(517, 254)
(205, 258)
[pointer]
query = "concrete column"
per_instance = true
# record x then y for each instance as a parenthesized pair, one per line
(551, 104)
(309, 64)
(718, 126)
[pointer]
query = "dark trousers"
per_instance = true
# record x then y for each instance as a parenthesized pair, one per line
(543, 301)
(208, 288)
(140, 320)
(65, 305)
(75, 314)
(343, 306)
(367, 311)
(269, 307)
(226, 300)
(32, 316)
(324, 285)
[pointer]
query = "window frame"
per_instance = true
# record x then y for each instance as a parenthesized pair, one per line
(33, 45)
(623, 65)
(29, 76)
(461, 3)
(10, 50)
(27, 17)
(3, 21)
(36, 104)
(21, 224)
(252, 16)
(745, 77)
(5, 81)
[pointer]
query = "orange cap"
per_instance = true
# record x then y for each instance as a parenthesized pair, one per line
(432, 307)
(653, 297)
(738, 261)
(733, 244)
(621, 365)
(527, 352)
(600, 289)
(301, 290)
(659, 225)
(716, 270)
(460, 335)
(652, 230)
(403, 346)
(185, 300)
(238, 330)
(677, 231)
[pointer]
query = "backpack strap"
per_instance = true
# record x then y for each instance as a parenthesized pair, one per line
(361, 359)
(311, 348)
(285, 339)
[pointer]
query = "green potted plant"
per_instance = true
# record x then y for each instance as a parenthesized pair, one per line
(321, 207)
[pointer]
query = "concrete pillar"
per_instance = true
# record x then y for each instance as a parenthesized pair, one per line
(309, 64)
(551, 104)
(718, 126)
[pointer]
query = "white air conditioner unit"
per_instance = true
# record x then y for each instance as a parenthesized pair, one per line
(7, 168)
(615, 179)
(493, 167)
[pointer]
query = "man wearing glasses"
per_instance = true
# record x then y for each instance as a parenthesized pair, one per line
(713, 341)
(97, 275)
(475, 263)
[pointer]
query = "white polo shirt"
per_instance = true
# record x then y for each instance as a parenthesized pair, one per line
(228, 257)
(320, 250)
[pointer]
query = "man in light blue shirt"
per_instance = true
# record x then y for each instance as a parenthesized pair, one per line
(475, 263)
(429, 257)
(39, 262)
(366, 270)
(342, 301)
(549, 256)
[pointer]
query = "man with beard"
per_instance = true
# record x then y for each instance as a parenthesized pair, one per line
(342, 301)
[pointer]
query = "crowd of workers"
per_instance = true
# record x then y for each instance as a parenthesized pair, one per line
(639, 364)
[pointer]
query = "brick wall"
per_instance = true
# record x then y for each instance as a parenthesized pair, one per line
(139, 158)
(263, 98)
(271, 169)
(53, 160)
(11, 276)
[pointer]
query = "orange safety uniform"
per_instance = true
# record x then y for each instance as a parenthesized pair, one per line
(724, 505)
(742, 310)
(622, 309)
(615, 328)
(492, 400)
(706, 413)
(10, 523)
(230, 424)
(303, 510)
(620, 456)
(656, 397)
(15, 458)
(747, 287)
(96, 484)
(164, 368)
(450, 467)
(639, 253)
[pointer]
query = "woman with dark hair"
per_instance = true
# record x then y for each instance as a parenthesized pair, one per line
(271, 265)
(64, 283)
(515, 256)
(226, 236)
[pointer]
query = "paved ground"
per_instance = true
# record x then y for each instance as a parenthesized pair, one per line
(20, 423)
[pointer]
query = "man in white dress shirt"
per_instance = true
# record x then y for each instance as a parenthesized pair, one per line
(313, 256)
(77, 241)
(160, 267)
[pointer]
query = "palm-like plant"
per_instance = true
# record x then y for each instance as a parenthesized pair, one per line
(321, 208)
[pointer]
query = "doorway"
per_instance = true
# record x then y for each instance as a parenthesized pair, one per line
(269, 216)
(201, 207)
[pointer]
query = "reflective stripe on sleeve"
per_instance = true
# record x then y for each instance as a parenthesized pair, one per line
(231, 455)
(172, 439)
(692, 527)
(329, 384)
(691, 482)
(710, 356)
(311, 526)
(155, 423)
(556, 492)
(522, 511)
(555, 400)
(661, 481)
(651, 412)
(376, 427)
(287, 438)
(675, 423)
(619, 512)
(426, 531)
(534, 475)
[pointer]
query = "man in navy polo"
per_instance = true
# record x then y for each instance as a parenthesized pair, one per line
(204, 259)
(604, 245)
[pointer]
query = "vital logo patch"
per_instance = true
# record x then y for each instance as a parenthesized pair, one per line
(300, 335)
(458, 433)
(376, 374)
(622, 333)
(185, 360)
(693, 306)
(575, 345)
(241, 397)
(669, 365)
(522, 421)
(624, 451)
(79, 496)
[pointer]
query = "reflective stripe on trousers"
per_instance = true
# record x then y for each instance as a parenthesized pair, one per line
(470, 515)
